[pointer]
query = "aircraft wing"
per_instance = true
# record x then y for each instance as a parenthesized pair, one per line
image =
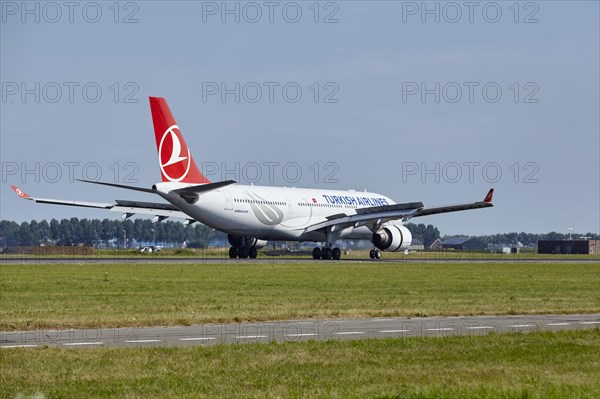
(161, 211)
(378, 215)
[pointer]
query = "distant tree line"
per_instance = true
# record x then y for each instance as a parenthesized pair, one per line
(427, 234)
(76, 231)
(529, 239)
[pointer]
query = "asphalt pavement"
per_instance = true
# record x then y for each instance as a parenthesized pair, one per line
(294, 331)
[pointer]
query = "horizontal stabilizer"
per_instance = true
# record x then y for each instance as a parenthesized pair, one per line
(134, 188)
(201, 188)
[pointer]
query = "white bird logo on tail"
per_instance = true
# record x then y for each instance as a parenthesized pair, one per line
(175, 155)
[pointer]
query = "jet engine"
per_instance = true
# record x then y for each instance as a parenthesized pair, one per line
(392, 238)
(255, 242)
(246, 241)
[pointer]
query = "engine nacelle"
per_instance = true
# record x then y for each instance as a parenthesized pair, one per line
(392, 238)
(255, 242)
(246, 241)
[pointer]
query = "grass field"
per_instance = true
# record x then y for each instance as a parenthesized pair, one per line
(535, 365)
(110, 295)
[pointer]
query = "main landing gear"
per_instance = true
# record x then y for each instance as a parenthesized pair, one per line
(242, 247)
(243, 252)
(327, 253)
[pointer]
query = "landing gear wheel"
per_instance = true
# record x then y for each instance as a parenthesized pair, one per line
(252, 252)
(377, 254)
(336, 253)
(326, 253)
(316, 253)
(233, 252)
(372, 254)
(243, 252)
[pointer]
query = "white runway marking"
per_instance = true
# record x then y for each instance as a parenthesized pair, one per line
(558, 324)
(142, 341)
(393, 331)
(251, 336)
(302, 335)
(82, 343)
(521, 326)
(440, 329)
(197, 339)
(349, 332)
(480, 328)
(19, 346)
(589, 322)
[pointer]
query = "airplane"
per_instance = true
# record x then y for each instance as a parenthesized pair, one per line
(253, 215)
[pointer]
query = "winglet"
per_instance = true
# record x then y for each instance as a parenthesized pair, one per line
(20, 193)
(488, 197)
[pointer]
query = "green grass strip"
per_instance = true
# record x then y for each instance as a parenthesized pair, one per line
(536, 365)
(113, 295)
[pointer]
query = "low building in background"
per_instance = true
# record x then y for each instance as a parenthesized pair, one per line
(416, 245)
(585, 247)
(464, 244)
(436, 245)
(506, 249)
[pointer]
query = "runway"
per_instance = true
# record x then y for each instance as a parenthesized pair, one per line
(29, 259)
(294, 331)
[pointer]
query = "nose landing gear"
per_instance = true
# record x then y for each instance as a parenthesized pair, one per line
(375, 254)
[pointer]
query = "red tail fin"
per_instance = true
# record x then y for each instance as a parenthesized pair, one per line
(174, 157)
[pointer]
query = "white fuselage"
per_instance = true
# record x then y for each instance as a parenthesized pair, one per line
(273, 213)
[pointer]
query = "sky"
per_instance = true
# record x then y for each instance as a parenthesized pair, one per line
(420, 101)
